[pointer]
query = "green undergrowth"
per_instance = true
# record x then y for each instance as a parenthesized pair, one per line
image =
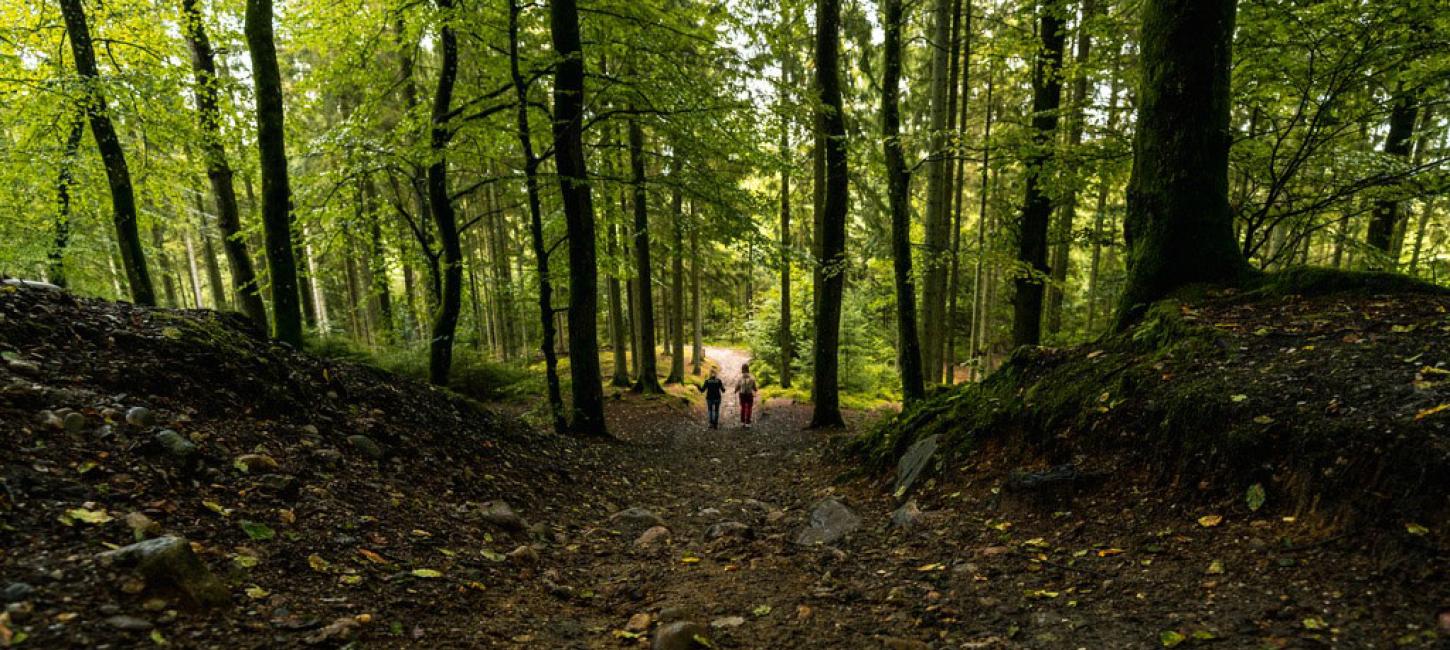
(472, 376)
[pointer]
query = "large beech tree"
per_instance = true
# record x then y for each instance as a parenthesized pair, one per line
(1178, 227)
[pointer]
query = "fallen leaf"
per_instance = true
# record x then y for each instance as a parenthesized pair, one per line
(92, 517)
(257, 593)
(427, 573)
(1255, 496)
(1209, 521)
(257, 531)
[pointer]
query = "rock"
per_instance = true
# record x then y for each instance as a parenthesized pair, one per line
(500, 514)
(50, 420)
(830, 521)
(638, 623)
(913, 463)
(366, 446)
(142, 526)
(23, 367)
(16, 592)
(20, 611)
(907, 516)
(170, 560)
(733, 529)
(129, 623)
(673, 613)
(337, 632)
(728, 622)
(74, 422)
(708, 512)
(651, 536)
(635, 519)
(175, 444)
(680, 635)
(524, 554)
(140, 416)
(31, 284)
(774, 516)
(254, 462)
(279, 483)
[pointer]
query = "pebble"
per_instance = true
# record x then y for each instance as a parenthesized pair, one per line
(680, 635)
(733, 529)
(74, 422)
(175, 444)
(523, 555)
(254, 462)
(170, 560)
(367, 446)
(652, 535)
(140, 416)
(128, 623)
(728, 621)
(502, 515)
(638, 518)
(15, 592)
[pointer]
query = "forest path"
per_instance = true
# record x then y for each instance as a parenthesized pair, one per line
(751, 587)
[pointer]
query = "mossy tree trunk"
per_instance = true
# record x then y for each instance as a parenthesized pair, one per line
(445, 320)
(825, 391)
(649, 379)
(1037, 204)
(1388, 212)
(219, 171)
(276, 191)
(55, 269)
(1178, 227)
(898, 190)
(118, 174)
(937, 244)
(579, 218)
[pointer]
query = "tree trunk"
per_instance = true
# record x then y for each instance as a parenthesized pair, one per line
(1387, 212)
(617, 330)
(276, 193)
(1037, 205)
(1100, 211)
(832, 236)
(445, 322)
(979, 273)
(677, 286)
(118, 174)
(697, 352)
(536, 225)
(579, 218)
(168, 285)
(65, 177)
(937, 244)
(192, 272)
(649, 380)
(208, 251)
(1179, 228)
(898, 189)
(960, 182)
(1062, 233)
(786, 342)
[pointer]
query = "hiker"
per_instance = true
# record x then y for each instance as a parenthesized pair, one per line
(714, 391)
(746, 390)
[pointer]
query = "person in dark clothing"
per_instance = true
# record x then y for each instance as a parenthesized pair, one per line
(714, 391)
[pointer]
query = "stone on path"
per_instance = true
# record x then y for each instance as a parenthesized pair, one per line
(733, 529)
(651, 536)
(176, 444)
(830, 521)
(170, 560)
(140, 416)
(129, 623)
(907, 516)
(682, 635)
(500, 514)
(366, 446)
(635, 519)
(913, 463)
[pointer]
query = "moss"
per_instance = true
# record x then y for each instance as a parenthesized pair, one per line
(1318, 281)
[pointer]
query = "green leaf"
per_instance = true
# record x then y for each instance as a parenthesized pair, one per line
(1416, 529)
(427, 573)
(1171, 638)
(1255, 497)
(93, 517)
(258, 531)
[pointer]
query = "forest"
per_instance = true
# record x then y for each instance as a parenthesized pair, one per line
(1032, 243)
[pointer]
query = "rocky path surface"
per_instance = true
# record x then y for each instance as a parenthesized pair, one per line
(701, 532)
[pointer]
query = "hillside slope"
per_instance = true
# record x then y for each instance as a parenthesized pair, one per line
(316, 491)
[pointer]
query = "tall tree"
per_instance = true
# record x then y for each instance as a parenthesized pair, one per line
(825, 390)
(1388, 213)
(677, 282)
(649, 379)
(898, 189)
(218, 171)
(937, 244)
(445, 321)
(1062, 230)
(276, 191)
(587, 390)
(1037, 204)
(118, 174)
(1178, 227)
(787, 353)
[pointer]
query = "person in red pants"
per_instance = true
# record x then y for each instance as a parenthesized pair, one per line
(746, 391)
